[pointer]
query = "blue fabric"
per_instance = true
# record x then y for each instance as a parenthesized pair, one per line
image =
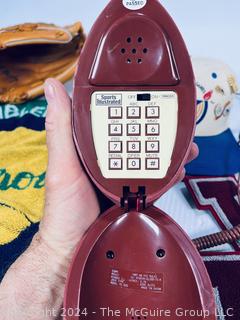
(28, 121)
(219, 156)
(11, 251)
(30, 115)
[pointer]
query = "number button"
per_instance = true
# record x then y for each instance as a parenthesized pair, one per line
(115, 164)
(115, 129)
(133, 146)
(115, 113)
(152, 164)
(153, 129)
(152, 113)
(152, 146)
(133, 113)
(115, 146)
(133, 130)
(134, 164)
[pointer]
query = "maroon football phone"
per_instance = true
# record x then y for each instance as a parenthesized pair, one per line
(133, 122)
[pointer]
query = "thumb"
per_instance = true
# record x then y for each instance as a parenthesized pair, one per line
(70, 201)
(61, 149)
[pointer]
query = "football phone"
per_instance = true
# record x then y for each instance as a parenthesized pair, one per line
(133, 122)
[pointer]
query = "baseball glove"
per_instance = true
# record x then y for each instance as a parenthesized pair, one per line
(31, 53)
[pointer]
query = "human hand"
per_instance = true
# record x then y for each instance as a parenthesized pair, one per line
(33, 287)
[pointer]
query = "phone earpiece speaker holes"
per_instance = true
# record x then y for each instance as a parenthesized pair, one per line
(134, 51)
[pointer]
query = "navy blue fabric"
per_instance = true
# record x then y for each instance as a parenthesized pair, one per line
(219, 156)
(30, 115)
(28, 121)
(11, 251)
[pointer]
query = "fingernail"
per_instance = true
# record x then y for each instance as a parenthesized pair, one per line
(49, 90)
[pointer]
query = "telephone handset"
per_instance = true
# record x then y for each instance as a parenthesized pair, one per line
(134, 120)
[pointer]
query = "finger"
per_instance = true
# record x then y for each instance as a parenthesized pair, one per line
(61, 150)
(194, 152)
(181, 176)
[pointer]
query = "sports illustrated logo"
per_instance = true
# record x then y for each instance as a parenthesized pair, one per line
(108, 99)
(134, 4)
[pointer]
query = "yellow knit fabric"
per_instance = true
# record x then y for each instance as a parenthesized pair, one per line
(23, 160)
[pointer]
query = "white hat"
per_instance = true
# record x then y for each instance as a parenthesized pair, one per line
(216, 88)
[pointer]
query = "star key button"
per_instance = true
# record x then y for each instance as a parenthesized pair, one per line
(115, 164)
(133, 146)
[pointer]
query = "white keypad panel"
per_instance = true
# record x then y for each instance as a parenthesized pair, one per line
(134, 132)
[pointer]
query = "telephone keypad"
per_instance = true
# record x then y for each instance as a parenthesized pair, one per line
(150, 125)
(134, 134)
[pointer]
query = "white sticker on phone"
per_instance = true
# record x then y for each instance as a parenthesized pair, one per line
(134, 4)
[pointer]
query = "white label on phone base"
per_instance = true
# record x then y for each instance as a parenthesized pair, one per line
(134, 4)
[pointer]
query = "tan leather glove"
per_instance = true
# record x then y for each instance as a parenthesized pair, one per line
(31, 53)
